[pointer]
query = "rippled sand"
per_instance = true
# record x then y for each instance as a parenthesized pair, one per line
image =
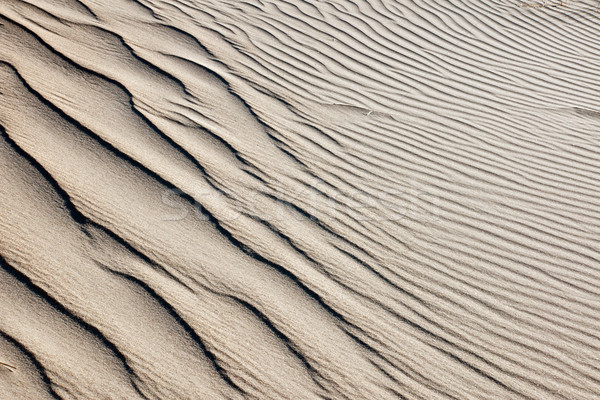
(287, 199)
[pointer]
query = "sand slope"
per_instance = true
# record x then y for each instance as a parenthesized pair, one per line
(299, 199)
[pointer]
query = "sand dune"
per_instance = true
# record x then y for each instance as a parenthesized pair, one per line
(287, 199)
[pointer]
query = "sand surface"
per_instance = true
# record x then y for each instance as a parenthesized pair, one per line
(289, 199)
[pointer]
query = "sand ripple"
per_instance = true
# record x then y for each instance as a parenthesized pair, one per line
(299, 200)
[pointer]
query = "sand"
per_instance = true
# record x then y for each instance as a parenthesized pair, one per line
(287, 199)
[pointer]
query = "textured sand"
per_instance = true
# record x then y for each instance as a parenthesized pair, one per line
(288, 199)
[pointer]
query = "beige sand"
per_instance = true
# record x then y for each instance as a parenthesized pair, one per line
(288, 199)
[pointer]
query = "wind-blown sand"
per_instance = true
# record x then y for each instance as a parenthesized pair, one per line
(287, 199)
